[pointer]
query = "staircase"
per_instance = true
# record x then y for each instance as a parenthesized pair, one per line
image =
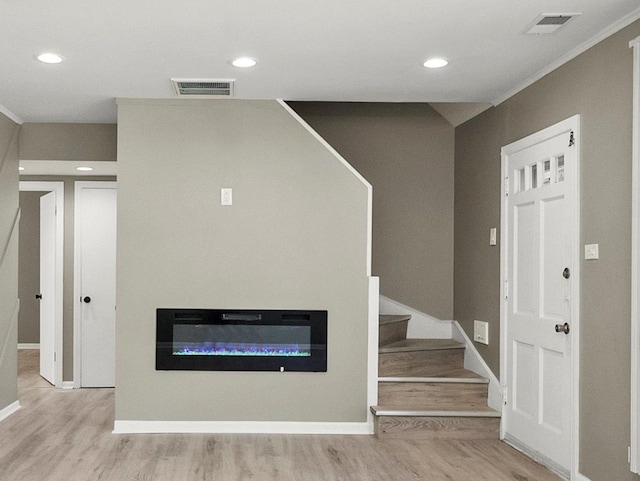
(425, 392)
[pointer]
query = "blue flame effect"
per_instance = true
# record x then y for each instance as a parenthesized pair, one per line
(290, 350)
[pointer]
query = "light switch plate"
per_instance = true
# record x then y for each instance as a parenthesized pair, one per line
(591, 252)
(481, 332)
(226, 196)
(492, 237)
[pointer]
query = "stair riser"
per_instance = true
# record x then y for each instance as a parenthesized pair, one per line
(392, 332)
(420, 363)
(437, 428)
(417, 395)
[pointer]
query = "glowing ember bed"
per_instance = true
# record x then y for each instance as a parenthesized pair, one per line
(241, 340)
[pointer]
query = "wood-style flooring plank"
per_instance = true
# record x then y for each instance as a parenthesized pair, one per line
(61, 435)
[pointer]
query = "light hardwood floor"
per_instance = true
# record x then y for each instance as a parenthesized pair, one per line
(65, 435)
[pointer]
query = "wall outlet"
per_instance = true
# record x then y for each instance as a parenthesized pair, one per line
(481, 332)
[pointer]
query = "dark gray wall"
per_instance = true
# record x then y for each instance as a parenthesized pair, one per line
(406, 152)
(29, 267)
(294, 238)
(9, 227)
(598, 86)
(56, 141)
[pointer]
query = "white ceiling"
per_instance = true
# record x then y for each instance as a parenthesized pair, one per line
(329, 50)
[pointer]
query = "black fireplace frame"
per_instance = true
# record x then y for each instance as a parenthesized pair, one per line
(167, 361)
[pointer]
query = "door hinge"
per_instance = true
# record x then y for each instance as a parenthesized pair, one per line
(55, 358)
(506, 289)
(506, 186)
(572, 139)
(504, 395)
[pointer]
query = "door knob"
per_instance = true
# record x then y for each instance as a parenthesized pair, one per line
(86, 299)
(562, 328)
(566, 273)
(38, 296)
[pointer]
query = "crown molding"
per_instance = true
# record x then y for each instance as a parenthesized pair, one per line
(599, 37)
(11, 115)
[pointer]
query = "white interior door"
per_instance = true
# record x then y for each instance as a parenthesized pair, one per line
(47, 286)
(96, 258)
(539, 276)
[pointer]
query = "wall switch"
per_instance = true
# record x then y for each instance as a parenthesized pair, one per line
(481, 332)
(226, 196)
(591, 252)
(492, 237)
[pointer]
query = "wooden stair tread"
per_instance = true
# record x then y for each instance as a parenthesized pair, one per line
(392, 318)
(473, 378)
(475, 411)
(408, 345)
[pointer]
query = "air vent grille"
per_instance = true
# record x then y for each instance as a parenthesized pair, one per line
(203, 87)
(556, 20)
(549, 23)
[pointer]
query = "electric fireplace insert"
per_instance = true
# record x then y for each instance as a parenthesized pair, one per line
(241, 340)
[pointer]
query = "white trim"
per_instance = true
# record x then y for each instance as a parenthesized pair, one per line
(28, 345)
(11, 115)
(58, 188)
(599, 37)
(635, 264)
(68, 167)
(243, 427)
(353, 171)
(572, 123)
(77, 272)
(420, 325)
(372, 352)
(474, 362)
(68, 385)
(9, 410)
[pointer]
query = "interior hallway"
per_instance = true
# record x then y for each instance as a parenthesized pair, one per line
(65, 435)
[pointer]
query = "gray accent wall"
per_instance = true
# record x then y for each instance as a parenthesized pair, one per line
(9, 227)
(294, 238)
(60, 141)
(29, 267)
(406, 152)
(598, 86)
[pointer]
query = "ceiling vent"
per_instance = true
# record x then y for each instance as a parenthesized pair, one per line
(203, 87)
(549, 23)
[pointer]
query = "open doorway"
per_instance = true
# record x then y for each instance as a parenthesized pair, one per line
(41, 274)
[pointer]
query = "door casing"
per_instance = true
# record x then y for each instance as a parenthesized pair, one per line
(571, 124)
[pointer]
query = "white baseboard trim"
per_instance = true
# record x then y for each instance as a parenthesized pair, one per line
(9, 410)
(68, 385)
(474, 362)
(421, 325)
(28, 345)
(240, 427)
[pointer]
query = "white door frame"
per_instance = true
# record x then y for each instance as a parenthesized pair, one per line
(58, 189)
(568, 125)
(77, 274)
(634, 444)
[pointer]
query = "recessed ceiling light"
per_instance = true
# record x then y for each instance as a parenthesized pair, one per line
(436, 63)
(20, 169)
(244, 62)
(84, 169)
(49, 58)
